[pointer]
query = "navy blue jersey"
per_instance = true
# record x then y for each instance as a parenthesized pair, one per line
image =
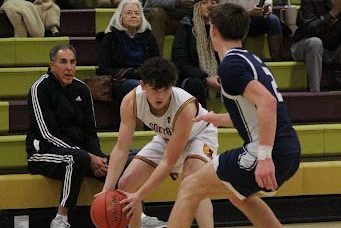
(237, 69)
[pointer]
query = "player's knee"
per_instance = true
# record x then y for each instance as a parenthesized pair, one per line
(187, 189)
(241, 203)
(125, 183)
(235, 201)
(191, 166)
(121, 183)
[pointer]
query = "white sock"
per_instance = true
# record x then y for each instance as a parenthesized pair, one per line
(62, 217)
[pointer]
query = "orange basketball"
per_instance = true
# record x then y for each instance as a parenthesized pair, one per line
(106, 212)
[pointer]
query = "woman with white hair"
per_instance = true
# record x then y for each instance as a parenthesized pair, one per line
(127, 43)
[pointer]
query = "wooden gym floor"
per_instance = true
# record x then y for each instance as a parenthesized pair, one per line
(306, 225)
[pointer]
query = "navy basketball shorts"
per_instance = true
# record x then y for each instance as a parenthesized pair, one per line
(236, 168)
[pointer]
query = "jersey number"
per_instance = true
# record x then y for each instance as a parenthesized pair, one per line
(273, 84)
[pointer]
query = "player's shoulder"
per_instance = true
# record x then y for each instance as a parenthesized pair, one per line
(235, 56)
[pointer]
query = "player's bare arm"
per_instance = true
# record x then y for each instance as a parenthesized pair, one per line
(266, 106)
(174, 148)
(120, 151)
(217, 119)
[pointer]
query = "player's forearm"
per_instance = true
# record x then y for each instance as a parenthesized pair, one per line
(223, 120)
(267, 118)
(115, 168)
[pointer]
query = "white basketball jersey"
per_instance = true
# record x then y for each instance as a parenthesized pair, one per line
(164, 125)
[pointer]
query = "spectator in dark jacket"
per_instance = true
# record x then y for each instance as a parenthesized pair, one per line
(61, 141)
(127, 43)
(194, 56)
(318, 37)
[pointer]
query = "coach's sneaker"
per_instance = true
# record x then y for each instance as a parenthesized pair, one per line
(152, 222)
(59, 223)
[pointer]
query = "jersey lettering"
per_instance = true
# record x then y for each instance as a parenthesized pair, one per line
(273, 84)
(159, 129)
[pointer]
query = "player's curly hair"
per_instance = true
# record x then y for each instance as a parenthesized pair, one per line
(158, 73)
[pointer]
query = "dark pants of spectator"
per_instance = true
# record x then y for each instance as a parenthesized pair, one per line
(271, 26)
(196, 87)
(69, 165)
(120, 90)
(161, 24)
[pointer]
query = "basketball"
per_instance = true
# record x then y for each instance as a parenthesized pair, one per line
(106, 212)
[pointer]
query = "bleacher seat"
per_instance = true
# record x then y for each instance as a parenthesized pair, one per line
(316, 141)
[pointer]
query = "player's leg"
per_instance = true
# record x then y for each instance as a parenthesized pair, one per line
(133, 177)
(140, 169)
(200, 185)
(204, 213)
(205, 183)
(256, 210)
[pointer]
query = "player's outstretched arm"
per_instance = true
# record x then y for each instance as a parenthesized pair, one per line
(217, 119)
(119, 154)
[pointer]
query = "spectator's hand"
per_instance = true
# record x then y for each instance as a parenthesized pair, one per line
(100, 172)
(336, 8)
(184, 4)
(213, 81)
(256, 12)
(98, 165)
(265, 174)
(267, 9)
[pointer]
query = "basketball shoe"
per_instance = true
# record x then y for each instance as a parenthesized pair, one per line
(59, 223)
(152, 222)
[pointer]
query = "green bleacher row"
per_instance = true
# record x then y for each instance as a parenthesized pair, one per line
(317, 140)
(16, 81)
(17, 52)
(313, 178)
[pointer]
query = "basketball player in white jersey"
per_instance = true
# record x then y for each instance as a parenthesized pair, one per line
(270, 154)
(180, 145)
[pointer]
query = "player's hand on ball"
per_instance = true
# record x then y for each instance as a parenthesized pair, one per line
(130, 203)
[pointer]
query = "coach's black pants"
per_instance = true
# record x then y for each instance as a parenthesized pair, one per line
(69, 165)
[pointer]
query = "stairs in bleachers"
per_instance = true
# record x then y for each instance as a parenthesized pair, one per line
(304, 107)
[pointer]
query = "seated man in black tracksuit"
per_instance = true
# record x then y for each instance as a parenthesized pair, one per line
(62, 141)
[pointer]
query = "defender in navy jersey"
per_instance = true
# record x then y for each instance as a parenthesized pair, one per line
(270, 154)
(179, 146)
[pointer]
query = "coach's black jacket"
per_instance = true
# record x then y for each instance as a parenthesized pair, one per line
(61, 117)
